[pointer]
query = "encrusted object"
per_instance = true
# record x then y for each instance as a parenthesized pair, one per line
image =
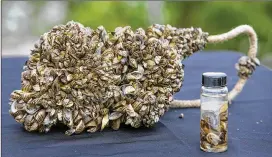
(91, 79)
(246, 66)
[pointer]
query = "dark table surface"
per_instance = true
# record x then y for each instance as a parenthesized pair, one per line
(250, 120)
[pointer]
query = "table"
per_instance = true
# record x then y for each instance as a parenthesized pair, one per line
(250, 120)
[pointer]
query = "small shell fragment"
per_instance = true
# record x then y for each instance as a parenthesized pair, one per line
(181, 115)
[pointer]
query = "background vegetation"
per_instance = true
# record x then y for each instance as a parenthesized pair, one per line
(22, 19)
(212, 17)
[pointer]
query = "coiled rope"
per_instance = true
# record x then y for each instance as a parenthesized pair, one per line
(245, 66)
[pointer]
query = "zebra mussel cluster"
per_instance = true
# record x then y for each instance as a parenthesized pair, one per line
(92, 79)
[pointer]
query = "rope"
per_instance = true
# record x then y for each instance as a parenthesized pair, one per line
(245, 65)
(185, 103)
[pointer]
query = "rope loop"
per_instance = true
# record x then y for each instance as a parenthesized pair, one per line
(245, 66)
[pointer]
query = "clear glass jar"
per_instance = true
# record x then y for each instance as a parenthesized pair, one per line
(214, 112)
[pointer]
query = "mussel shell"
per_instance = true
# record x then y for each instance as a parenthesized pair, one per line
(20, 118)
(80, 127)
(40, 115)
(115, 115)
(205, 145)
(223, 116)
(115, 124)
(213, 139)
(92, 129)
(29, 120)
(70, 132)
(211, 118)
(105, 121)
(32, 127)
(31, 108)
(128, 89)
(135, 75)
(224, 107)
(205, 128)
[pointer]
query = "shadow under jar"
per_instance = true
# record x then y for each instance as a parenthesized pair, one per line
(214, 112)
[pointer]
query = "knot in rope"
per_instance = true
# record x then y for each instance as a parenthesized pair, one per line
(246, 65)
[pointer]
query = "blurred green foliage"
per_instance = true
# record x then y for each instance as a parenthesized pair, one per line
(212, 17)
(220, 17)
(110, 14)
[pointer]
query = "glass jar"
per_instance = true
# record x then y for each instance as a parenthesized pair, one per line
(214, 112)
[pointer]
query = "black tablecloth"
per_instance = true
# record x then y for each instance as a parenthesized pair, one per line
(250, 120)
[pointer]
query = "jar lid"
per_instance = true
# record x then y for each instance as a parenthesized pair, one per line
(214, 79)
